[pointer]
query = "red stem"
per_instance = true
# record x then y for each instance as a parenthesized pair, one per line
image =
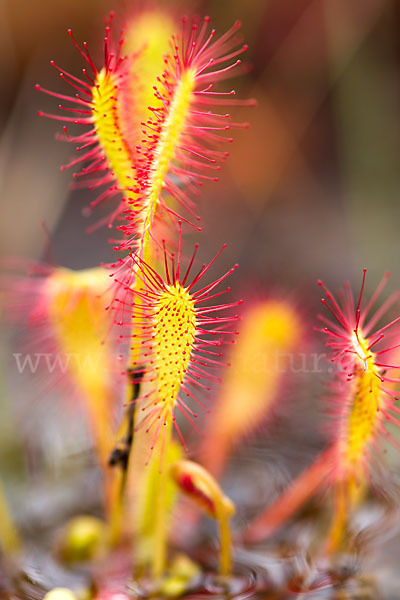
(284, 507)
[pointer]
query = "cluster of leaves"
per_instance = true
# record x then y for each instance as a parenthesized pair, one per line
(156, 128)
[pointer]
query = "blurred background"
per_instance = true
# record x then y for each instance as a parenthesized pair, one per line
(310, 191)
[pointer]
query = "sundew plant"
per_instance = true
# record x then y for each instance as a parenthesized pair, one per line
(171, 365)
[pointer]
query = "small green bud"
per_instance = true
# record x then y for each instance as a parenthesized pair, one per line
(60, 594)
(83, 538)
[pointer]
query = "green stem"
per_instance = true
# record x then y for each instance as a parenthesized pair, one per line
(225, 560)
(120, 458)
(160, 536)
(9, 539)
(117, 507)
